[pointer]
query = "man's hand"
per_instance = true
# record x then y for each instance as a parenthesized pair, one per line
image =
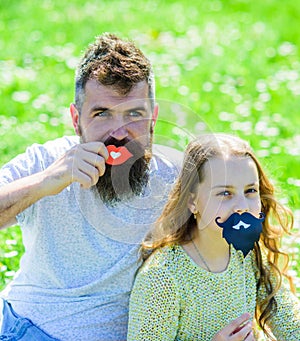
(84, 163)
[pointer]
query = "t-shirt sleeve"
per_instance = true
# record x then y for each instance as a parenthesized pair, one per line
(154, 306)
(171, 156)
(21, 166)
(35, 159)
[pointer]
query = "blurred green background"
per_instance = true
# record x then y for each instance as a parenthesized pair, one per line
(221, 66)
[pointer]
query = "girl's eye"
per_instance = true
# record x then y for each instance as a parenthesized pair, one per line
(224, 194)
(251, 190)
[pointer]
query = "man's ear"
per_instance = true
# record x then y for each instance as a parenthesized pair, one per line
(75, 118)
(154, 116)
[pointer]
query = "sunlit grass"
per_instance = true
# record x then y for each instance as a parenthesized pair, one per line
(221, 66)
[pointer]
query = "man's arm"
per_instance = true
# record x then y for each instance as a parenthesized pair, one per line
(83, 163)
(16, 196)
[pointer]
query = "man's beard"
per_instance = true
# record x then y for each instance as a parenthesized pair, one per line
(129, 179)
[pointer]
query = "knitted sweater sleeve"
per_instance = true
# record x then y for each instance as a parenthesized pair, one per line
(285, 322)
(154, 305)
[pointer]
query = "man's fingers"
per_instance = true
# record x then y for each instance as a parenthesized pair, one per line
(95, 160)
(88, 163)
(96, 147)
(93, 153)
(87, 174)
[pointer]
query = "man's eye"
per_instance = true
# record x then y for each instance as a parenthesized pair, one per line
(135, 114)
(101, 114)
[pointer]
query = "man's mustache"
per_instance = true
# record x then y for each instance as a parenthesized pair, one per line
(115, 142)
(242, 230)
(133, 146)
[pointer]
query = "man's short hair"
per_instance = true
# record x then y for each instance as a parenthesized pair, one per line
(113, 62)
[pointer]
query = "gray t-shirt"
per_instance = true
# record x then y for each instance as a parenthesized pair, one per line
(80, 255)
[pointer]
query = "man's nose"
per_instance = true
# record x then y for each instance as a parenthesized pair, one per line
(119, 131)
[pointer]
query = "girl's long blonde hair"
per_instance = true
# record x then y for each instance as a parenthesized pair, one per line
(177, 223)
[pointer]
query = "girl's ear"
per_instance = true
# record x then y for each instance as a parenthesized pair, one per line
(191, 202)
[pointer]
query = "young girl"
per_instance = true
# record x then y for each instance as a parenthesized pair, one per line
(212, 264)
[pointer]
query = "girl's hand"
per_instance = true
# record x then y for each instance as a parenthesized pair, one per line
(239, 329)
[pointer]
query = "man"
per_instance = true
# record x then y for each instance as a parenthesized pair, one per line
(85, 203)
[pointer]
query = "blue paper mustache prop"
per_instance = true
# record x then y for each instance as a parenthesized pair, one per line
(242, 230)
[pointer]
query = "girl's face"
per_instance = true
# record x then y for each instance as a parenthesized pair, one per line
(230, 185)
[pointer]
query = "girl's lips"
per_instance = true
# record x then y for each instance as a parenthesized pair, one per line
(117, 155)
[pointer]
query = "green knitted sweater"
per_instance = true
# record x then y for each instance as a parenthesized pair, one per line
(175, 299)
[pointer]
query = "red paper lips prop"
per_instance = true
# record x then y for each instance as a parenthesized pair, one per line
(117, 155)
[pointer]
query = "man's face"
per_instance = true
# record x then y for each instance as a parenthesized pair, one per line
(107, 114)
(122, 120)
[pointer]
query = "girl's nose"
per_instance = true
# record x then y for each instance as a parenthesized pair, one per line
(241, 205)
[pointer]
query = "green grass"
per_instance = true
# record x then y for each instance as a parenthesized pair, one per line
(221, 66)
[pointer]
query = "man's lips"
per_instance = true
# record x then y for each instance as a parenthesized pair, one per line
(117, 155)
